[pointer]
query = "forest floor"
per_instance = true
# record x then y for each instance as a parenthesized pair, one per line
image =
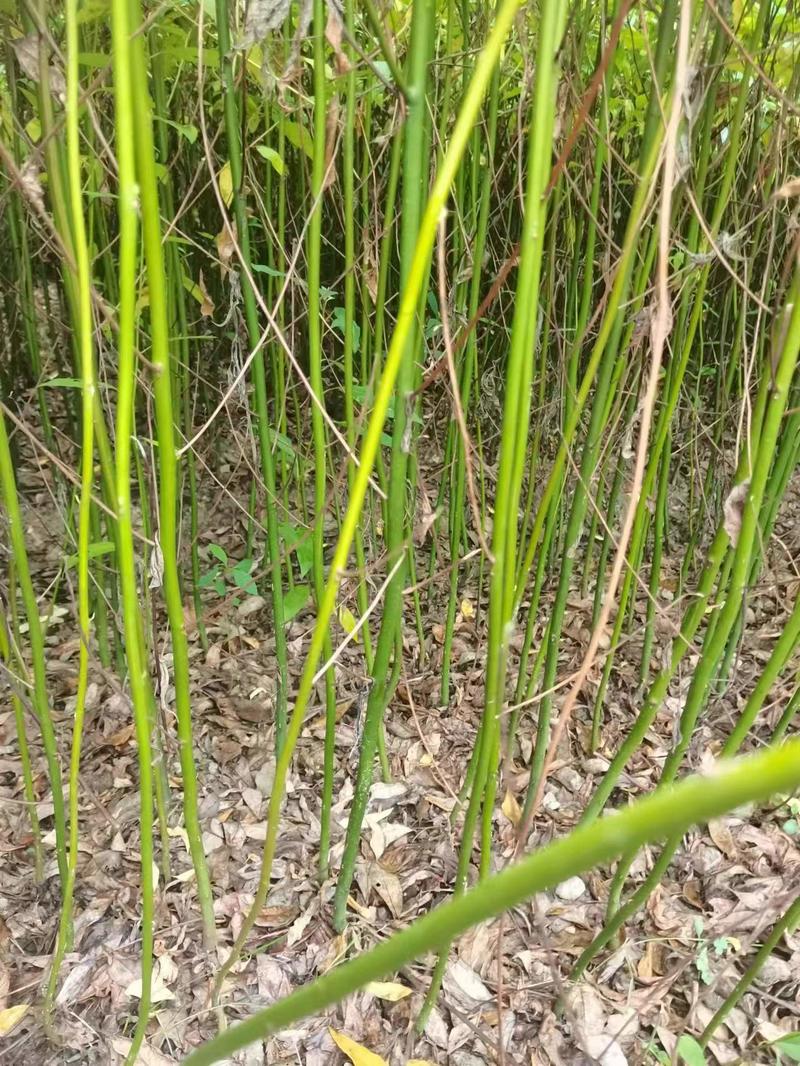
(679, 957)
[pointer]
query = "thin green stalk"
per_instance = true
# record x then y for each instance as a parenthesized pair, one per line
(88, 387)
(348, 183)
(396, 507)
(787, 923)
(714, 644)
(22, 734)
(232, 130)
(313, 259)
(162, 368)
(141, 692)
(513, 448)
(41, 703)
(659, 523)
(458, 481)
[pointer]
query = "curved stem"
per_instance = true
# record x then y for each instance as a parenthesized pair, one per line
(668, 813)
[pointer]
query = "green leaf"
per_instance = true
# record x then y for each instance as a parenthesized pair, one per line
(282, 443)
(299, 137)
(305, 556)
(207, 580)
(219, 553)
(93, 9)
(791, 826)
(188, 131)
(243, 581)
(361, 394)
(703, 968)
(382, 68)
(272, 157)
(348, 621)
(789, 1046)
(339, 319)
(187, 54)
(294, 601)
(94, 60)
(100, 547)
(690, 1051)
(260, 268)
(62, 383)
(295, 540)
(288, 533)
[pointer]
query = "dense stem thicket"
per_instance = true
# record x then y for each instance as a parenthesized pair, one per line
(223, 296)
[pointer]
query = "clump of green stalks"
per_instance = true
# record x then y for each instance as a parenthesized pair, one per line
(501, 304)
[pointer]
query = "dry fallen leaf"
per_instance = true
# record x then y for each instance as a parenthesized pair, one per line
(11, 1017)
(333, 33)
(388, 887)
(788, 190)
(207, 305)
(263, 16)
(511, 808)
(148, 1056)
(226, 246)
(331, 142)
(734, 510)
(464, 984)
(388, 990)
(723, 838)
(358, 1055)
(165, 971)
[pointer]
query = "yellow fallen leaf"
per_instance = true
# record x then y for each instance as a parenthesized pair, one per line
(467, 610)
(225, 179)
(12, 1016)
(358, 1055)
(179, 831)
(511, 809)
(389, 990)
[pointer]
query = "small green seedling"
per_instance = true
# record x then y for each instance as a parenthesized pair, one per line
(787, 1047)
(688, 1053)
(792, 823)
(227, 572)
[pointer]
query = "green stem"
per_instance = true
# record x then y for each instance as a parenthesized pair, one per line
(141, 692)
(163, 377)
(88, 389)
(391, 622)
